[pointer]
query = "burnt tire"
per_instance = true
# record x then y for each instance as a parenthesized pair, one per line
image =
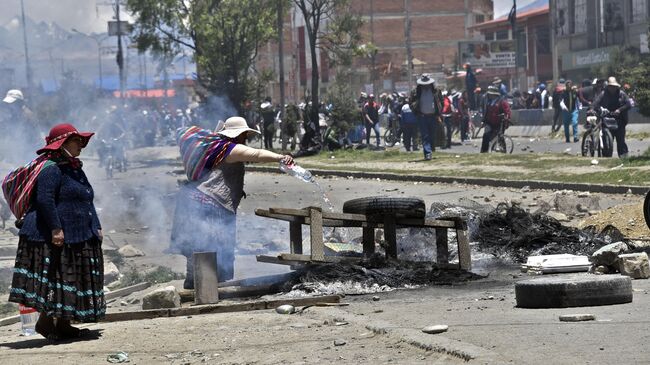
(573, 291)
(646, 209)
(384, 205)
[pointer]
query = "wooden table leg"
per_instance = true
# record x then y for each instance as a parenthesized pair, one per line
(368, 241)
(316, 234)
(442, 246)
(206, 283)
(390, 234)
(295, 237)
(464, 253)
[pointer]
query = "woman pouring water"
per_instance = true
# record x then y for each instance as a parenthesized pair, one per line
(206, 207)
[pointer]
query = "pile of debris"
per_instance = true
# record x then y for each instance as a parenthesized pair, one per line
(622, 257)
(626, 218)
(511, 232)
(377, 274)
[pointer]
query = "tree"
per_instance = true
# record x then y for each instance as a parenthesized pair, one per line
(224, 36)
(333, 28)
(629, 66)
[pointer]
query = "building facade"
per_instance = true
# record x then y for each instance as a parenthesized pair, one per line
(588, 32)
(498, 54)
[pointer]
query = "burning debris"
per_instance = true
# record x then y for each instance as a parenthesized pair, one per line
(374, 275)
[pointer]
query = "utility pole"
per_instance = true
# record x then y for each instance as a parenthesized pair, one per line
(28, 69)
(556, 70)
(120, 54)
(515, 37)
(373, 58)
(283, 126)
(409, 50)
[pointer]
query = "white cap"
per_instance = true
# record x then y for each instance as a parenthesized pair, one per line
(13, 95)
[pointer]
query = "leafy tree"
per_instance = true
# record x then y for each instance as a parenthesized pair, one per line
(631, 67)
(333, 28)
(223, 34)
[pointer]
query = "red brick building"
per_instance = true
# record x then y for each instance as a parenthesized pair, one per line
(437, 27)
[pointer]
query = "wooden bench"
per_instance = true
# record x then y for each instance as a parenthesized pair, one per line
(316, 219)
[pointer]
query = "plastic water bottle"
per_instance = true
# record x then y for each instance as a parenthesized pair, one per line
(28, 318)
(297, 171)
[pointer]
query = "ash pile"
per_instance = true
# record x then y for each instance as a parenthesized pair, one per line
(377, 274)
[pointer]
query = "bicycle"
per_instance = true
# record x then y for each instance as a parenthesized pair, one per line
(393, 133)
(502, 143)
(597, 140)
(474, 125)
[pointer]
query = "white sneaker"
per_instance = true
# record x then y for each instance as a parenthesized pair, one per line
(397, 144)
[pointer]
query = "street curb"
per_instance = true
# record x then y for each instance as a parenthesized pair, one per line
(414, 337)
(517, 184)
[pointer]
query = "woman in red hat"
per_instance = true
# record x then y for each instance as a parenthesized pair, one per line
(59, 265)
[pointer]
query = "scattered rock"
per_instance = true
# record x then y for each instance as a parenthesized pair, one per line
(111, 272)
(435, 329)
(601, 270)
(166, 297)
(339, 342)
(584, 194)
(130, 251)
(634, 265)
(375, 298)
(561, 217)
(581, 208)
(525, 189)
(577, 317)
(608, 255)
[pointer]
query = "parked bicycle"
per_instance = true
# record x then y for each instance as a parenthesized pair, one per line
(597, 139)
(502, 143)
(114, 156)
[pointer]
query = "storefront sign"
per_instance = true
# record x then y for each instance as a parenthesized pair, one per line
(494, 54)
(586, 59)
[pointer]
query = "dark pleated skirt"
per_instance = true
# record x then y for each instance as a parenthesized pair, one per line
(64, 282)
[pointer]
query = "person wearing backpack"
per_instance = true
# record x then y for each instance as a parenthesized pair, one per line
(59, 269)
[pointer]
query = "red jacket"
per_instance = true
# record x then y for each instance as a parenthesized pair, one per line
(494, 108)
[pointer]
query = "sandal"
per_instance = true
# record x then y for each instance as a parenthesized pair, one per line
(46, 328)
(69, 332)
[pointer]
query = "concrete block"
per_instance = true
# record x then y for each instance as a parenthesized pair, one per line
(634, 265)
(166, 297)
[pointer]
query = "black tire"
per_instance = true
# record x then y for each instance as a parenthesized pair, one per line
(646, 209)
(384, 205)
(573, 291)
(587, 146)
(608, 144)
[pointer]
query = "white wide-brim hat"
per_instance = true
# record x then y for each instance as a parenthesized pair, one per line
(234, 127)
(425, 79)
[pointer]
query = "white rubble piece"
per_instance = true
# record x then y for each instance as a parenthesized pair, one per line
(440, 328)
(577, 317)
(634, 265)
(562, 263)
(166, 297)
(111, 272)
(130, 251)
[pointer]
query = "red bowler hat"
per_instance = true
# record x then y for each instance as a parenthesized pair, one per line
(59, 134)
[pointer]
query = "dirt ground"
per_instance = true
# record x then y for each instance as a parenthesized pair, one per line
(628, 218)
(136, 208)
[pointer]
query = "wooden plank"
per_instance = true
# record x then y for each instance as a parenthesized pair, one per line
(10, 320)
(288, 218)
(326, 215)
(279, 261)
(464, 253)
(126, 291)
(316, 234)
(295, 237)
(219, 308)
(206, 284)
(442, 246)
(235, 292)
(257, 280)
(307, 258)
(432, 223)
(288, 211)
(368, 241)
(390, 234)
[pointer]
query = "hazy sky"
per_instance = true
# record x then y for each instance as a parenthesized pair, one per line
(91, 15)
(84, 15)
